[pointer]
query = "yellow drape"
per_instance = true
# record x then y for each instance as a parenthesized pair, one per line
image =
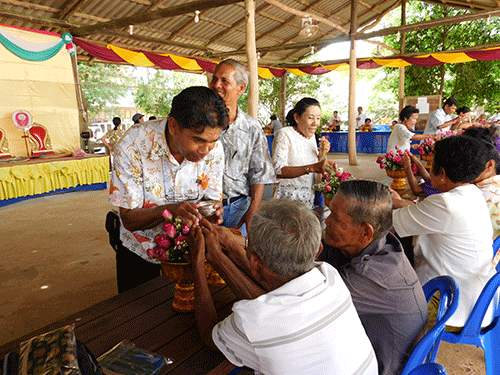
(32, 179)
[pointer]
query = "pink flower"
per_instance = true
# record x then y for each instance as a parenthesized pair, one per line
(421, 151)
(151, 253)
(180, 240)
(327, 178)
(344, 177)
(169, 230)
(162, 241)
(167, 215)
(390, 154)
(382, 165)
(414, 169)
(328, 188)
(185, 229)
(397, 158)
(400, 152)
(397, 147)
(338, 175)
(325, 174)
(164, 256)
(379, 159)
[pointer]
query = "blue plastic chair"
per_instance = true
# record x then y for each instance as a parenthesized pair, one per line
(428, 369)
(488, 338)
(496, 246)
(427, 347)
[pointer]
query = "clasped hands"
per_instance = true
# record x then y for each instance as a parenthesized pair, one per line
(211, 242)
(190, 215)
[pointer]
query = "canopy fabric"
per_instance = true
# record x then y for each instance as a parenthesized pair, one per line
(34, 51)
(116, 54)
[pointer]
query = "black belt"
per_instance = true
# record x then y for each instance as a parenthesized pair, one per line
(226, 201)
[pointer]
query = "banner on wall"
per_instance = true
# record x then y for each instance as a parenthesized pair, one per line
(37, 76)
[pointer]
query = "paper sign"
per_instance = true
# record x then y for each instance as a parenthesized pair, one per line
(422, 105)
(22, 119)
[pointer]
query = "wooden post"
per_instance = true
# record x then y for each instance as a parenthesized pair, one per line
(351, 135)
(402, 51)
(253, 90)
(82, 115)
(282, 113)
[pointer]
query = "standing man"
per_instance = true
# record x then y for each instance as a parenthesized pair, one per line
(248, 165)
(360, 118)
(384, 287)
(440, 120)
(163, 165)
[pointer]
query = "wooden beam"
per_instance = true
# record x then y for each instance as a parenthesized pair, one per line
(303, 14)
(377, 43)
(429, 24)
(51, 22)
(70, 8)
(379, 18)
(459, 5)
(159, 41)
(152, 16)
(234, 26)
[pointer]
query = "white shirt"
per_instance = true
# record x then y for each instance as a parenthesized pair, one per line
(454, 238)
(307, 326)
(400, 136)
(291, 149)
(438, 117)
(360, 120)
(145, 174)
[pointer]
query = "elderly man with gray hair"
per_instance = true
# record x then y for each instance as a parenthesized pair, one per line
(297, 316)
(384, 287)
(248, 165)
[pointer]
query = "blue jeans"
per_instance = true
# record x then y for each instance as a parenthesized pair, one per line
(233, 213)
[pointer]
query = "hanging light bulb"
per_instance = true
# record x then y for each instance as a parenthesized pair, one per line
(131, 29)
(312, 50)
(196, 16)
(258, 55)
(488, 20)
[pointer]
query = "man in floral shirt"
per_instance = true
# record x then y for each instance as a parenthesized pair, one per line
(166, 164)
(248, 165)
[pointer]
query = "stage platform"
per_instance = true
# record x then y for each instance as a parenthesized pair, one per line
(27, 178)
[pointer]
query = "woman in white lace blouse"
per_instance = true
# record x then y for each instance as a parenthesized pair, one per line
(296, 157)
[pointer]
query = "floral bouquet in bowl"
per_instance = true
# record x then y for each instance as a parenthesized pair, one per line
(171, 243)
(427, 147)
(392, 160)
(331, 180)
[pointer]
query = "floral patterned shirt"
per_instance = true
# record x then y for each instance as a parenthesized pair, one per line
(113, 136)
(145, 174)
(247, 156)
(490, 188)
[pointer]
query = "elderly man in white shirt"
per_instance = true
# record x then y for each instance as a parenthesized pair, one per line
(440, 120)
(453, 229)
(298, 316)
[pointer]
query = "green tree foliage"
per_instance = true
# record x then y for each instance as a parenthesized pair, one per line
(156, 90)
(474, 83)
(103, 85)
(297, 87)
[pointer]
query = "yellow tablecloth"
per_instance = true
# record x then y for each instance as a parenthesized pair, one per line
(32, 179)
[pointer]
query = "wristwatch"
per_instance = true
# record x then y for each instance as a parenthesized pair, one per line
(307, 169)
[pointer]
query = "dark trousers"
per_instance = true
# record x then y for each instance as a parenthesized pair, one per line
(132, 270)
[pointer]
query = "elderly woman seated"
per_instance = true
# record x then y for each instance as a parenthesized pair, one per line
(453, 229)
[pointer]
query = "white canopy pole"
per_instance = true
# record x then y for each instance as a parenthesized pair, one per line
(351, 135)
